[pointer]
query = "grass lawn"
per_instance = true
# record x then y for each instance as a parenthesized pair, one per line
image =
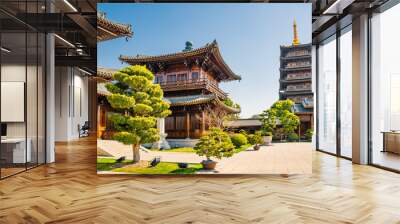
(107, 164)
(176, 150)
(161, 168)
(242, 148)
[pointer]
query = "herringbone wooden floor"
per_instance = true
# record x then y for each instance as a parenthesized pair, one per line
(69, 191)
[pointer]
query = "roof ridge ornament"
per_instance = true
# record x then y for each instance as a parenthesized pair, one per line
(296, 40)
(188, 46)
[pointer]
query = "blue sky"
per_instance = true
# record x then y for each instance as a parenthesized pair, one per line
(248, 35)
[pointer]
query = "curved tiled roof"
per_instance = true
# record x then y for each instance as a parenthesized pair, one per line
(199, 99)
(190, 100)
(208, 48)
(105, 73)
(108, 29)
(243, 123)
(102, 90)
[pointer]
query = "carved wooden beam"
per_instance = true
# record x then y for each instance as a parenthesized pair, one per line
(188, 63)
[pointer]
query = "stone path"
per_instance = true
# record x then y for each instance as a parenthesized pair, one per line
(280, 158)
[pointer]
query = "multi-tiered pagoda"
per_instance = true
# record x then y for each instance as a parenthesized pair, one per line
(295, 80)
(190, 81)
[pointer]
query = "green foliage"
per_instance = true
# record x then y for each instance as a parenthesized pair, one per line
(293, 137)
(265, 133)
(243, 132)
(120, 101)
(242, 148)
(238, 140)
(309, 133)
(229, 102)
(255, 138)
(282, 111)
(289, 121)
(138, 102)
(216, 143)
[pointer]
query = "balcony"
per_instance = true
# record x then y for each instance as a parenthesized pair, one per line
(298, 65)
(290, 77)
(192, 84)
(298, 53)
(298, 88)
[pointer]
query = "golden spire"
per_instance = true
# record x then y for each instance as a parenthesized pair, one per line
(295, 37)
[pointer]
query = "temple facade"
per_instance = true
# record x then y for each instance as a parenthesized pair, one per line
(190, 80)
(295, 81)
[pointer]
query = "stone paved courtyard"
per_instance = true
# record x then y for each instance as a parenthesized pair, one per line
(279, 158)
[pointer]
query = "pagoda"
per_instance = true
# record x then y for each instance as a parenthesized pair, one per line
(295, 81)
(190, 80)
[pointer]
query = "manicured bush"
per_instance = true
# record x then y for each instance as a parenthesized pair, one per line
(267, 133)
(255, 138)
(293, 137)
(243, 132)
(216, 143)
(139, 103)
(309, 133)
(238, 140)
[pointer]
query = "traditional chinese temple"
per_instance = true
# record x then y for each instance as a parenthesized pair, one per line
(295, 80)
(190, 80)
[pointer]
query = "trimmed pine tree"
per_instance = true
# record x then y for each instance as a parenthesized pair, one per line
(137, 102)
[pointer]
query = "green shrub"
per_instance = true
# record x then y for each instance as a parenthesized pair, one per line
(255, 138)
(293, 137)
(309, 133)
(268, 133)
(238, 140)
(216, 143)
(243, 132)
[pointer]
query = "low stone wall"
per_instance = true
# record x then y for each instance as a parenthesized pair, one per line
(180, 143)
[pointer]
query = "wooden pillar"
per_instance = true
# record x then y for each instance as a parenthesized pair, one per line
(203, 123)
(187, 125)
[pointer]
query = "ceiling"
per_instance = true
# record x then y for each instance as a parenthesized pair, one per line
(74, 22)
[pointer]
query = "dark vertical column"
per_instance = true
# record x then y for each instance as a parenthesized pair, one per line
(187, 125)
(317, 97)
(338, 73)
(26, 88)
(203, 123)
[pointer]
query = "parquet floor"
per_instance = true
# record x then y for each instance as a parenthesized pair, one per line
(69, 191)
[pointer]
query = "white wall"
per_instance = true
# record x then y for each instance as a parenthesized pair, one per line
(71, 102)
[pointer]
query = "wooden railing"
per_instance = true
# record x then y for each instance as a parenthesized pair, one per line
(298, 88)
(192, 84)
(298, 76)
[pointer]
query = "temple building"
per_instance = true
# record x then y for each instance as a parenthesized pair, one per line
(190, 81)
(295, 80)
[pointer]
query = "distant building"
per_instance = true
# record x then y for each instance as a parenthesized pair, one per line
(250, 125)
(295, 80)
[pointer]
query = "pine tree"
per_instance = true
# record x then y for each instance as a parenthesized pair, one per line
(137, 102)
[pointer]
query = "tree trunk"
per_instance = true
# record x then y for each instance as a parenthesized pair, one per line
(136, 153)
